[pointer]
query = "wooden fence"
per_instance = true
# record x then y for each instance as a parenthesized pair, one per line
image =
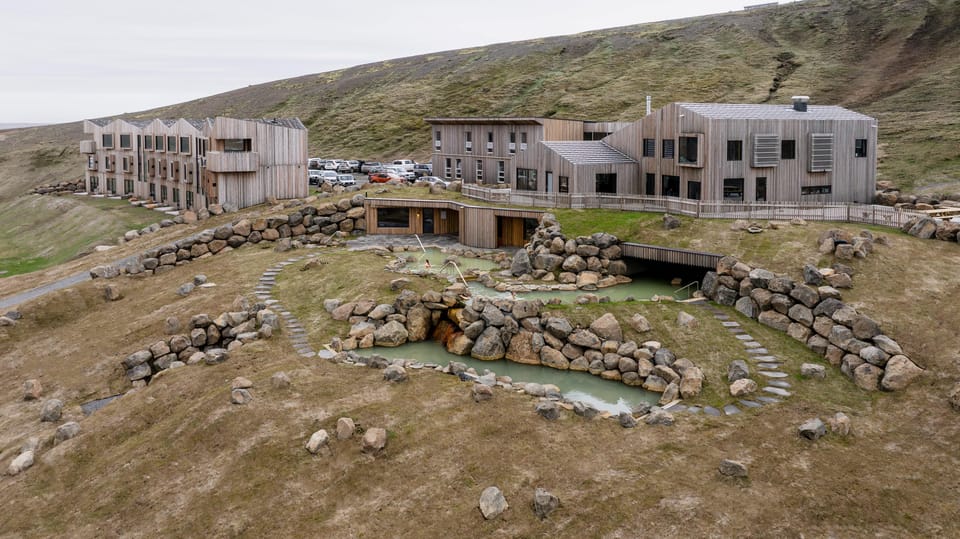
(843, 212)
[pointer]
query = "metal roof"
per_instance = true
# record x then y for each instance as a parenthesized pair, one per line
(292, 123)
(487, 120)
(588, 152)
(737, 111)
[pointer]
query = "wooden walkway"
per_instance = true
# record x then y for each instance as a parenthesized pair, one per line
(670, 255)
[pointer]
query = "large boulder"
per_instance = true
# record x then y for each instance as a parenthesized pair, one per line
(521, 263)
(924, 228)
(553, 358)
(521, 349)
(489, 345)
(640, 323)
(418, 323)
(899, 373)
(691, 383)
(585, 339)
(607, 328)
(391, 334)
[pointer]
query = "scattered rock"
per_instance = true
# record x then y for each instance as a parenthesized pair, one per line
(52, 410)
(280, 380)
(374, 441)
(482, 392)
(65, 432)
(899, 372)
(318, 441)
(742, 387)
(492, 503)
(185, 289)
(812, 370)
(241, 383)
(544, 503)
(839, 424)
(670, 222)
(640, 323)
(22, 462)
(812, 429)
(395, 373)
(659, 417)
(627, 420)
(112, 292)
(32, 390)
(737, 370)
(548, 410)
(686, 320)
(733, 468)
(345, 428)
(240, 396)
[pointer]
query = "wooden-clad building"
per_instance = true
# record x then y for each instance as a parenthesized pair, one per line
(474, 226)
(190, 164)
(697, 151)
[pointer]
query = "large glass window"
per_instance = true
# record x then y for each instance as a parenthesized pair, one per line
(107, 140)
(606, 183)
(148, 142)
(185, 145)
(564, 184)
(670, 186)
(171, 144)
(688, 150)
(860, 147)
(526, 179)
(788, 149)
(125, 142)
(734, 150)
(649, 147)
(237, 145)
(733, 189)
(158, 142)
(693, 190)
(393, 217)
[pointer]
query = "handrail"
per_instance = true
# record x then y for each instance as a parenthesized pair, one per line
(695, 284)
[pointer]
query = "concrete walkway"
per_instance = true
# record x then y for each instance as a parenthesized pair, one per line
(66, 282)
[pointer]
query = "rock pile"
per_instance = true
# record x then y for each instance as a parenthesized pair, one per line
(589, 262)
(888, 195)
(927, 228)
(75, 186)
(209, 341)
(844, 245)
(321, 224)
(814, 314)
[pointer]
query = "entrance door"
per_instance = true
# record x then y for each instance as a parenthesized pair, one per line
(427, 221)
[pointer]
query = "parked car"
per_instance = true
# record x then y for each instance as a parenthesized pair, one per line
(400, 171)
(369, 167)
(423, 169)
(434, 180)
(314, 176)
(354, 165)
(346, 180)
(329, 176)
(405, 163)
(315, 163)
(343, 167)
(384, 177)
(330, 164)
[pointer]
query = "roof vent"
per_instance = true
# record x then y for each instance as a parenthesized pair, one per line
(800, 103)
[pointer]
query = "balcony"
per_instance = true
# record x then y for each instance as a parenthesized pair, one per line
(88, 146)
(233, 161)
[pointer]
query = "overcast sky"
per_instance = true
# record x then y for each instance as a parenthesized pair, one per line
(66, 60)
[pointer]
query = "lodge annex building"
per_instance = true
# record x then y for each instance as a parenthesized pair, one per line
(191, 164)
(697, 151)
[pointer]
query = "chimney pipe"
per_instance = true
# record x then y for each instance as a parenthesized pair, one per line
(800, 103)
(649, 101)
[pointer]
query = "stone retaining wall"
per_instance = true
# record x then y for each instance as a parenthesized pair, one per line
(814, 314)
(75, 186)
(321, 224)
(517, 330)
(927, 228)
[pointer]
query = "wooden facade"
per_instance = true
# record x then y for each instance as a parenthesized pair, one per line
(190, 164)
(696, 151)
(474, 226)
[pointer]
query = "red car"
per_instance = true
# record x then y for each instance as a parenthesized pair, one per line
(384, 177)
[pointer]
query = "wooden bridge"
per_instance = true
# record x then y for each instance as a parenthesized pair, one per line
(669, 255)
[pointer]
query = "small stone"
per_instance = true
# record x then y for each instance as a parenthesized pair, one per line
(112, 292)
(482, 392)
(839, 424)
(686, 320)
(171, 325)
(374, 441)
(199, 279)
(737, 370)
(544, 503)
(22, 462)
(733, 468)
(659, 417)
(240, 396)
(742, 387)
(492, 503)
(65, 432)
(32, 390)
(52, 410)
(185, 289)
(548, 410)
(627, 420)
(280, 380)
(345, 428)
(812, 429)
(318, 441)
(812, 370)
(241, 383)
(395, 373)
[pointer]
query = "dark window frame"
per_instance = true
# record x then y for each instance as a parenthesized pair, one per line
(760, 190)
(563, 184)
(788, 149)
(237, 145)
(605, 183)
(688, 145)
(393, 217)
(734, 150)
(649, 147)
(526, 179)
(860, 147)
(669, 185)
(126, 141)
(669, 149)
(733, 189)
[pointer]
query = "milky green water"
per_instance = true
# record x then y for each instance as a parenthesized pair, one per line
(604, 395)
(438, 257)
(638, 289)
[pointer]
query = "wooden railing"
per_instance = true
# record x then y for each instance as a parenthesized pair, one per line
(844, 212)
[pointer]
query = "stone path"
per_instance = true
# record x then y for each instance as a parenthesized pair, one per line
(766, 367)
(293, 328)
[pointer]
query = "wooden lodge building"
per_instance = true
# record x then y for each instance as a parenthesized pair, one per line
(191, 164)
(696, 151)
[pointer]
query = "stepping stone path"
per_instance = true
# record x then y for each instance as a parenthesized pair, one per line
(768, 367)
(294, 330)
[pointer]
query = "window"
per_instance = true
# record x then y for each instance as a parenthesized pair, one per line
(668, 148)
(651, 187)
(821, 152)
(606, 183)
(761, 190)
(171, 144)
(479, 171)
(649, 147)
(564, 184)
(189, 199)
(128, 187)
(112, 185)
(733, 189)
(148, 142)
(107, 164)
(125, 142)
(688, 150)
(860, 147)
(526, 179)
(176, 196)
(670, 186)
(185, 145)
(734, 150)
(393, 217)
(163, 193)
(501, 172)
(436, 140)
(446, 168)
(788, 149)
(765, 150)
(489, 141)
(153, 191)
(523, 142)
(693, 190)
(94, 183)
(459, 169)
(468, 141)
(126, 164)
(107, 140)
(91, 162)
(816, 190)
(513, 143)
(237, 145)
(158, 142)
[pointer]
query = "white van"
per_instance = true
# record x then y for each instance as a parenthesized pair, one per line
(405, 163)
